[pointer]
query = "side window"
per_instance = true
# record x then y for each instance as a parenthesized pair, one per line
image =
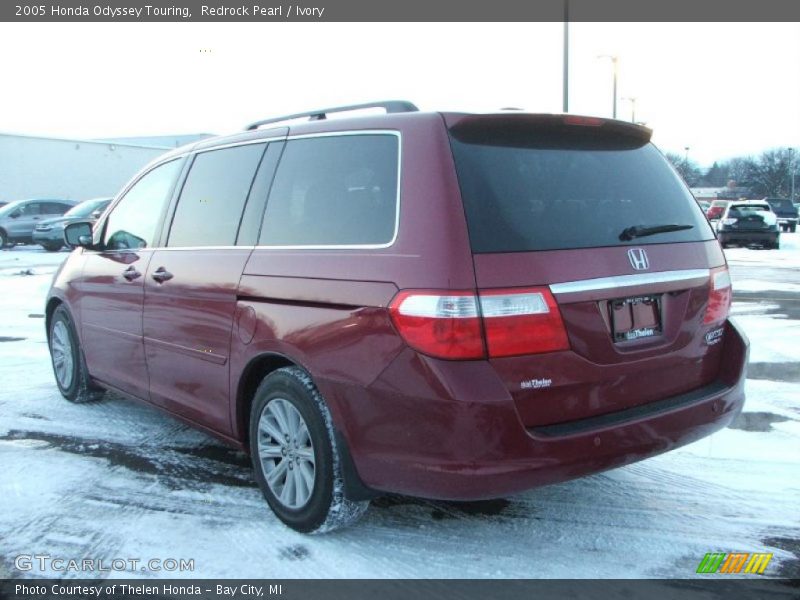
(31, 209)
(55, 208)
(334, 191)
(132, 224)
(213, 197)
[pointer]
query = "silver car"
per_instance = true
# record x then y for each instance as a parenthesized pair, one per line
(19, 219)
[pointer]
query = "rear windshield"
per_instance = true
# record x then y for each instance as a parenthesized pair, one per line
(739, 210)
(573, 188)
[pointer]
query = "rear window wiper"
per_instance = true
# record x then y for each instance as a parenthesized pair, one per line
(637, 231)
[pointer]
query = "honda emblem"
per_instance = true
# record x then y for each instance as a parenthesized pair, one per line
(638, 258)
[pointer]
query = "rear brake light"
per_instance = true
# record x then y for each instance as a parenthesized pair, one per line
(445, 325)
(584, 121)
(448, 325)
(719, 296)
(522, 322)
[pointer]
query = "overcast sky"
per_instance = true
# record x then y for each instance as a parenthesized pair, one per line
(720, 89)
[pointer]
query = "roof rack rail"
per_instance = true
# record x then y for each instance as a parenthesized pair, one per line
(391, 106)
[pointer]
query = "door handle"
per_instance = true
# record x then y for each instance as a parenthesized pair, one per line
(131, 273)
(161, 275)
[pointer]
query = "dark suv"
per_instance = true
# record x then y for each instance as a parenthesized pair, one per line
(786, 213)
(450, 306)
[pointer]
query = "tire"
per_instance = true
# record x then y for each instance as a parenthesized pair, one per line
(3, 239)
(792, 228)
(52, 247)
(307, 492)
(69, 364)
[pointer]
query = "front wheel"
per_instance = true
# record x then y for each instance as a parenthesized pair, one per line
(69, 365)
(294, 454)
(53, 247)
(3, 239)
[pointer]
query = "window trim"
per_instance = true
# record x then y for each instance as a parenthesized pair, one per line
(188, 158)
(362, 132)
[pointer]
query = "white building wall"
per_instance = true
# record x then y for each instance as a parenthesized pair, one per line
(33, 167)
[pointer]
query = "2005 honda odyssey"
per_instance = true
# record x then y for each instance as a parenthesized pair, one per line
(450, 306)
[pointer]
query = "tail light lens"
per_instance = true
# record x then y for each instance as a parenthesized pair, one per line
(522, 322)
(719, 296)
(442, 325)
(449, 324)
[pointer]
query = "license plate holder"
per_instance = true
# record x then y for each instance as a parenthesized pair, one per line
(635, 318)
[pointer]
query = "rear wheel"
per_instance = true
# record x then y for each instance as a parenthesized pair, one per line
(295, 459)
(52, 247)
(793, 228)
(69, 365)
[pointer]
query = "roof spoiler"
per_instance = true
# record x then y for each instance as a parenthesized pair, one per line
(390, 106)
(473, 127)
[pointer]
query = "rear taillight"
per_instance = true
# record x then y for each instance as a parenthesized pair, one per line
(719, 296)
(522, 322)
(448, 324)
(445, 325)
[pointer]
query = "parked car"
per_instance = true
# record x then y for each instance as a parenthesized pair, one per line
(395, 303)
(749, 222)
(18, 219)
(716, 209)
(704, 205)
(50, 233)
(786, 213)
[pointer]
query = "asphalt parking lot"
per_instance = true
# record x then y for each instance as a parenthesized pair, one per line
(115, 479)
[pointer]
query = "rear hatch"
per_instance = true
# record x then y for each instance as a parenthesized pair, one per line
(588, 214)
(749, 218)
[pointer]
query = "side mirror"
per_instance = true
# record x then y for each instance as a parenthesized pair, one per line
(78, 234)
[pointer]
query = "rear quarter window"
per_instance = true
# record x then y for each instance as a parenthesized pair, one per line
(334, 191)
(568, 189)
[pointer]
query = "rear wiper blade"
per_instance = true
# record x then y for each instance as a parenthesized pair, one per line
(637, 231)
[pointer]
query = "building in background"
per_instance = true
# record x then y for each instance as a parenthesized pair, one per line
(43, 167)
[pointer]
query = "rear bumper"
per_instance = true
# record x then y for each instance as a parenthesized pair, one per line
(748, 237)
(47, 237)
(475, 447)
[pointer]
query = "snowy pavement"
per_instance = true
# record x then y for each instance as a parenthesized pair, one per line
(117, 479)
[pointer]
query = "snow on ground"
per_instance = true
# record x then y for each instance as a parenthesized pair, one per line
(117, 479)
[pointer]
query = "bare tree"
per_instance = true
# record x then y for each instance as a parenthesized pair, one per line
(771, 173)
(687, 169)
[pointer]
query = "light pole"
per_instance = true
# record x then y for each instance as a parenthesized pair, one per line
(632, 100)
(686, 156)
(614, 60)
(565, 98)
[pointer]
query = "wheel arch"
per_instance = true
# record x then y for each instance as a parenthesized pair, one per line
(52, 304)
(254, 372)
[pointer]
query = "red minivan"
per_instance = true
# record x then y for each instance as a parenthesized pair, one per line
(450, 306)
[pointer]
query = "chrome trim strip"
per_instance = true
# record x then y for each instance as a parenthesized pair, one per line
(619, 281)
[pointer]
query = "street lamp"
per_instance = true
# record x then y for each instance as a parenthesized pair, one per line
(686, 156)
(614, 60)
(565, 93)
(632, 100)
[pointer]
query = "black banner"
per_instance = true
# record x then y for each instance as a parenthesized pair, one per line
(405, 10)
(425, 589)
